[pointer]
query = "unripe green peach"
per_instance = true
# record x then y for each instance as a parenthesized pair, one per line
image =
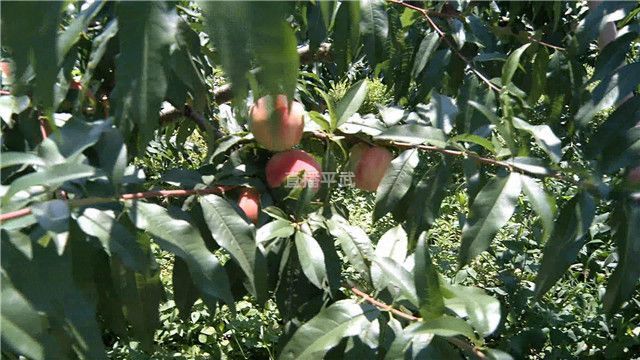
(249, 202)
(292, 163)
(370, 166)
(275, 125)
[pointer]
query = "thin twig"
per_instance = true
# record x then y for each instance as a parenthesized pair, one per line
(131, 196)
(426, 14)
(530, 37)
(383, 306)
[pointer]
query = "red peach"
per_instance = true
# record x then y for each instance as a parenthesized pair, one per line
(371, 167)
(249, 202)
(276, 126)
(291, 163)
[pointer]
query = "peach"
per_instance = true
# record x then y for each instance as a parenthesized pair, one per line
(249, 202)
(292, 163)
(275, 125)
(370, 166)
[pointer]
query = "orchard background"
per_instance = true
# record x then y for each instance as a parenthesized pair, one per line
(147, 213)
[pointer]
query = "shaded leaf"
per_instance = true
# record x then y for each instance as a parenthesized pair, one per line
(542, 203)
(570, 233)
(544, 137)
(414, 134)
(512, 63)
(396, 182)
(427, 282)
(181, 238)
(51, 177)
(233, 233)
(350, 103)
(490, 210)
(393, 244)
(342, 319)
(311, 258)
(622, 282)
(613, 88)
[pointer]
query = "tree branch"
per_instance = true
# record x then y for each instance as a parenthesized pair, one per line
(131, 196)
(512, 167)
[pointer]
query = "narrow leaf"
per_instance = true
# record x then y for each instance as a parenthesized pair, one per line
(232, 233)
(570, 233)
(343, 319)
(490, 210)
(396, 182)
(181, 238)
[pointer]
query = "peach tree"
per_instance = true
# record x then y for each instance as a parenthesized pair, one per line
(492, 102)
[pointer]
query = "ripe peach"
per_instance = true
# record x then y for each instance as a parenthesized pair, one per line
(633, 175)
(276, 126)
(371, 167)
(249, 202)
(291, 163)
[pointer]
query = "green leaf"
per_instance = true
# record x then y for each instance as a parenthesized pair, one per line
(311, 258)
(396, 182)
(397, 276)
(141, 82)
(475, 139)
(76, 27)
(614, 127)
(442, 111)
(23, 328)
(612, 56)
(233, 233)
(427, 283)
(12, 158)
(512, 63)
(542, 203)
(427, 46)
(374, 29)
(490, 210)
(185, 292)
(393, 244)
(367, 124)
(140, 293)
(273, 230)
(625, 277)
(98, 49)
(114, 237)
(51, 177)
(544, 137)
(355, 243)
(445, 325)
(539, 75)
(183, 239)
(53, 216)
(274, 44)
(426, 198)
(612, 89)
(29, 30)
(342, 319)
(350, 103)
(482, 310)
(346, 34)
(570, 233)
(414, 134)
(625, 151)
(227, 24)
